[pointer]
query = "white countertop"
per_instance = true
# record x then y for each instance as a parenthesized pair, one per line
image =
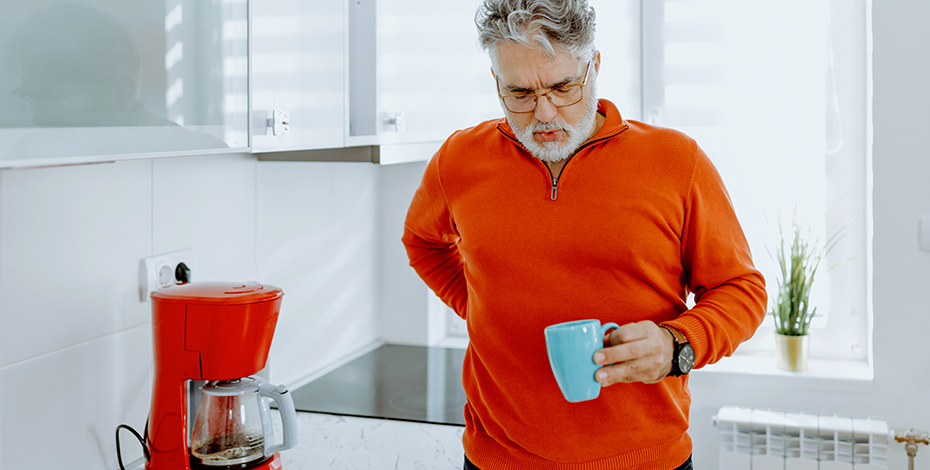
(345, 442)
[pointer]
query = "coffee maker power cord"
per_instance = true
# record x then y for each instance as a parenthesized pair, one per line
(145, 450)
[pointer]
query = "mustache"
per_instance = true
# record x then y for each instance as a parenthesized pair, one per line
(548, 127)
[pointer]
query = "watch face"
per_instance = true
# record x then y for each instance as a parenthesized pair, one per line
(685, 358)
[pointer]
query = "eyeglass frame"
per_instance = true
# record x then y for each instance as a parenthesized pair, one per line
(536, 96)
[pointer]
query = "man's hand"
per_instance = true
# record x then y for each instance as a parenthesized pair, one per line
(638, 352)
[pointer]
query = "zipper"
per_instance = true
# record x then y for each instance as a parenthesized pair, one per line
(554, 193)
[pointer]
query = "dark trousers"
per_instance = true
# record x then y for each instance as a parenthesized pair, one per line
(471, 466)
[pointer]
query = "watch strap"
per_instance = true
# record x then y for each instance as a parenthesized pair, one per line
(679, 342)
(679, 337)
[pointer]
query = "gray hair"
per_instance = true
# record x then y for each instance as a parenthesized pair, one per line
(550, 24)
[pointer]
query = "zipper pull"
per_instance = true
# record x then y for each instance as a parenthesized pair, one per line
(555, 188)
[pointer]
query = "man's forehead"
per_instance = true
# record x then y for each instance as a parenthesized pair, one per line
(523, 67)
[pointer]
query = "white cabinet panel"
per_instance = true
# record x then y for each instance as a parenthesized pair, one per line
(298, 65)
(618, 40)
(101, 80)
(394, 73)
(432, 73)
(434, 78)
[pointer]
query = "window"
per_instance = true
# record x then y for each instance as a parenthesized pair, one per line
(776, 94)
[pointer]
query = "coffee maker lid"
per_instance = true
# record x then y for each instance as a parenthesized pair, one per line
(218, 293)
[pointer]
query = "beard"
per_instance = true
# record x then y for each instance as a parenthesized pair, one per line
(559, 150)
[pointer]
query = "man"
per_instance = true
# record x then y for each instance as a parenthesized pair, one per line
(565, 211)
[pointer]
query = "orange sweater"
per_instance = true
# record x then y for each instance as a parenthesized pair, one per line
(640, 219)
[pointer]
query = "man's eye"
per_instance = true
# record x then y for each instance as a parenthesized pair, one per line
(561, 90)
(526, 97)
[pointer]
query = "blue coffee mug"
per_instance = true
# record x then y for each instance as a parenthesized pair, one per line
(571, 348)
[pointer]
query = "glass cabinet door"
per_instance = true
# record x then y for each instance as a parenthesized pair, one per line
(433, 77)
(298, 67)
(98, 80)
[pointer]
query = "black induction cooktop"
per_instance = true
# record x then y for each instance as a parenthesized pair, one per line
(409, 383)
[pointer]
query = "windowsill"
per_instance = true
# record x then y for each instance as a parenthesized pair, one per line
(753, 369)
(841, 374)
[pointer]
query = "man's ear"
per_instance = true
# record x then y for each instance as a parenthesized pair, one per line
(597, 62)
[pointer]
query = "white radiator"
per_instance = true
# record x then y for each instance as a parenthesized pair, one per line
(752, 439)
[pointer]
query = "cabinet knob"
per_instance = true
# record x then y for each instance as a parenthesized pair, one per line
(396, 122)
(279, 122)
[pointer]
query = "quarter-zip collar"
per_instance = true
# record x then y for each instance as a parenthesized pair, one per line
(613, 126)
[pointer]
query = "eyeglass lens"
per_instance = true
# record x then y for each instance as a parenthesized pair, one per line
(560, 97)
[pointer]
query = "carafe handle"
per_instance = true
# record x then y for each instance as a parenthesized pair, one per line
(285, 402)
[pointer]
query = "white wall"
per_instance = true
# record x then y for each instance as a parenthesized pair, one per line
(75, 340)
(318, 241)
(901, 166)
(404, 297)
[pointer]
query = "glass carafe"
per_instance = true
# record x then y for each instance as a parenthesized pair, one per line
(233, 424)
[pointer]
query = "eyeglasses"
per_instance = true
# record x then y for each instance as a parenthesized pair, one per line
(560, 97)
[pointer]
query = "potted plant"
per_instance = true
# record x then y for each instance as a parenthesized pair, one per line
(791, 308)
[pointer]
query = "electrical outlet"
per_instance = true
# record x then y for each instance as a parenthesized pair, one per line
(160, 271)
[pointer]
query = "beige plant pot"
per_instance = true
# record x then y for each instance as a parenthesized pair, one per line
(791, 352)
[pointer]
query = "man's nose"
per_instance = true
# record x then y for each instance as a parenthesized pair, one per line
(545, 110)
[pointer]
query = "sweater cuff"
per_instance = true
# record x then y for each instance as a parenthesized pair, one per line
(694, 330)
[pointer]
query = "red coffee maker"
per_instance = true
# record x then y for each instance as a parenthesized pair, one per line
(219, 332)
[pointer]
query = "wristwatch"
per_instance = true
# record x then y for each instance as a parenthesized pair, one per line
(683, 355)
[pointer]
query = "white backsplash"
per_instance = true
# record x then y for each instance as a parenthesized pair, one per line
(67, 238)
(317, 240)
(75, 341)
(207, 203)
(60, 410)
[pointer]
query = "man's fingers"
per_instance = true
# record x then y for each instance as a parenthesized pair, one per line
(638, 370)
(637, 354)
(623, 352)
(630, 332)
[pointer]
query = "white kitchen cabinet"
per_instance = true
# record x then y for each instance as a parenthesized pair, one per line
(430, 76)
(432, 71)
(433, 78)
(395, 76)
(618, 40)
(434, 75)
(298, 66)
(105, 80)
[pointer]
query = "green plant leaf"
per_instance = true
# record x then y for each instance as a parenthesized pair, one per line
(798, 265)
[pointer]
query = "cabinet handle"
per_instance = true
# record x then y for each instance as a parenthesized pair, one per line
(280, 122)
(397, 120)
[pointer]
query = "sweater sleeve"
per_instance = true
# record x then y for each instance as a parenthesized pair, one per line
(730, 297)
(430, 239)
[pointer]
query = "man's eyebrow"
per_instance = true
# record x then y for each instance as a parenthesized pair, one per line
(564, 82)
(520, 89)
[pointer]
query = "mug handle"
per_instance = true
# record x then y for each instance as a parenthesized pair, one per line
(608, 326)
